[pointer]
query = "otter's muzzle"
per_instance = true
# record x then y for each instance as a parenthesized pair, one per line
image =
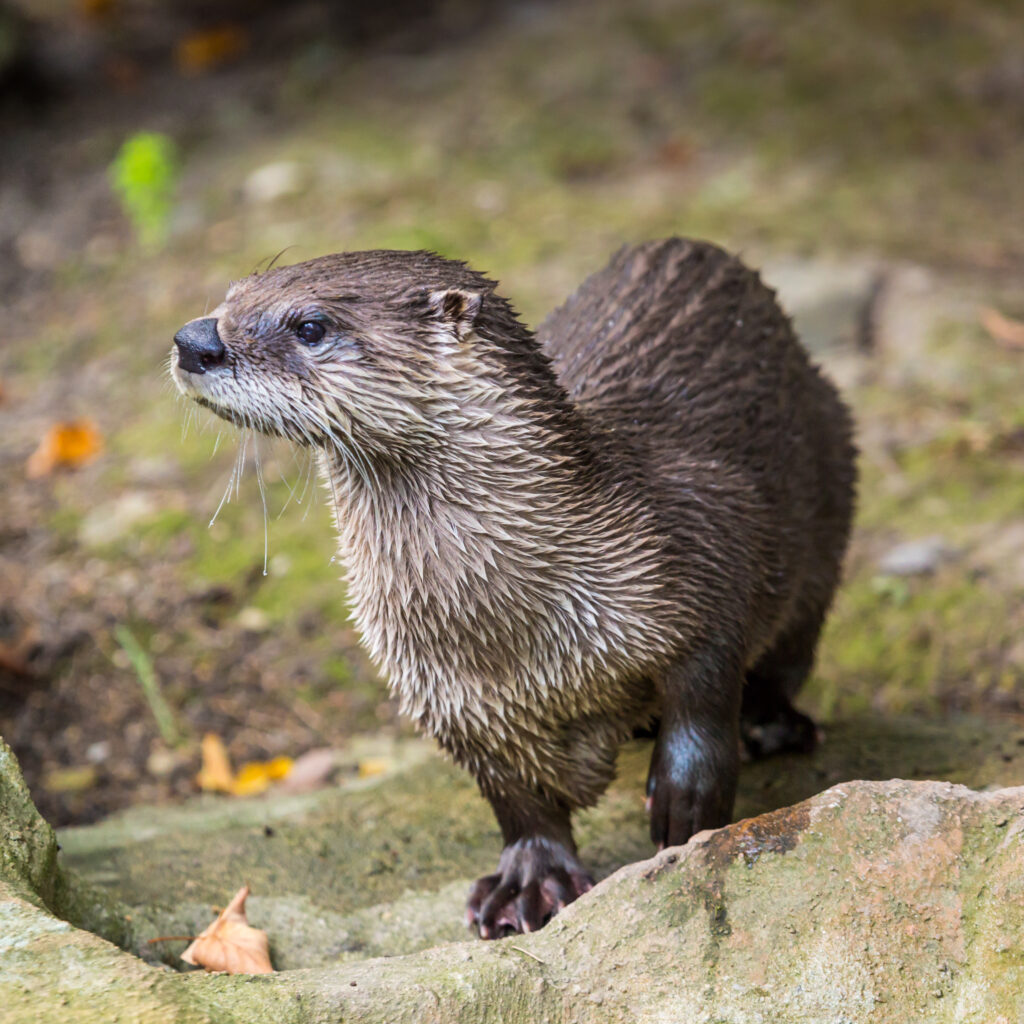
(199, 346)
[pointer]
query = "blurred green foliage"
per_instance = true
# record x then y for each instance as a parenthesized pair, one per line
(144, 175)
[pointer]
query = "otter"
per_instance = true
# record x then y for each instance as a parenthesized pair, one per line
(633, 519)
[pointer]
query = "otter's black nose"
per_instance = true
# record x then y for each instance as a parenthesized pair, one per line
(199, 345)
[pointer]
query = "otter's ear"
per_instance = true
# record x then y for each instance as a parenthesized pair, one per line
(455, 308)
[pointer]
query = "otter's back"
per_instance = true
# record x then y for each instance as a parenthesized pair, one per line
(680, 350)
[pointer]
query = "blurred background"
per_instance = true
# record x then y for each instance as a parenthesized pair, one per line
(867, 155)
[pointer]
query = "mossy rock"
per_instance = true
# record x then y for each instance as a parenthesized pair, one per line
(896, 901)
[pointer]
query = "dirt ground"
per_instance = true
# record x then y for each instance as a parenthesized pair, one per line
(530, 139)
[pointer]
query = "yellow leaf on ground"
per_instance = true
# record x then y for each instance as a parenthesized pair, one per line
(250, 780)
(370, 766)
(1007, 332)
(231, 944)
(279, 767)
(65, 444)
(216, 775)
(70, 780)
(255, 776)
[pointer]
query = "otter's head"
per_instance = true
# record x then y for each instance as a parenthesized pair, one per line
(363, 350)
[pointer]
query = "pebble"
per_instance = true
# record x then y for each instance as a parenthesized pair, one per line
(827, 299)
(161, 762)
(111, 521)
(274, 181)
(37, 250)
(98, 752)
(915, 557)
(253, 619)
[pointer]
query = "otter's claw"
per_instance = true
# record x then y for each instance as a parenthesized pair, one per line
(535, 879)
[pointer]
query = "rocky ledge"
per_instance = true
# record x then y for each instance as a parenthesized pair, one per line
(871, 901)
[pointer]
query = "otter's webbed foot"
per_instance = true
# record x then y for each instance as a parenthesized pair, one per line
(536, 878)
(785, 730)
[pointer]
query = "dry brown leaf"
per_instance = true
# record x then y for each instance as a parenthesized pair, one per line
(231, 944)
(65, 444)
(310, 770)
(14, 657)
(677, 152)
(11, 660)
(203, 51)
(1005, 331)
(96, 10)
(216, 775)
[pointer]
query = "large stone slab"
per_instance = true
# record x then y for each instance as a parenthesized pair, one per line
(892, 901)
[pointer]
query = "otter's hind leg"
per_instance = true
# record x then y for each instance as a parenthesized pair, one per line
(769, 724)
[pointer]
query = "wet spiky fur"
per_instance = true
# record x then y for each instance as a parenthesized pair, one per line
(536, 530)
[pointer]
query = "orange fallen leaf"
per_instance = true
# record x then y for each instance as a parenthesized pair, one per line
(231, 944)
(256, 776)
(65, 444)
(203, 51)
(1005, 331)
(216, 775)
(96, 10)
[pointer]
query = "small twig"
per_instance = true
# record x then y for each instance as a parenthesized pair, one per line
(150, 686)
(866, 335)
(526, 952)
(171, 938)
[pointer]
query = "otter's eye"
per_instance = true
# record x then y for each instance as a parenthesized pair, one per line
(310, 332)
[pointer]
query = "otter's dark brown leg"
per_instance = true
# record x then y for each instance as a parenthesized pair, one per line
(695, 763)
(538, 873)
(769, 722)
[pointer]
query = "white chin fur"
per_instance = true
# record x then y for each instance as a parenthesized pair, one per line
(181, 382)
(189, 384)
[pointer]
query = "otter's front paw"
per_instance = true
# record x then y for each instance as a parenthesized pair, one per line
(536, 878)
(691, 786)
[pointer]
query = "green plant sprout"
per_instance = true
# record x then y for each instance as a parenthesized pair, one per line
(140, 661)
(144, 175)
